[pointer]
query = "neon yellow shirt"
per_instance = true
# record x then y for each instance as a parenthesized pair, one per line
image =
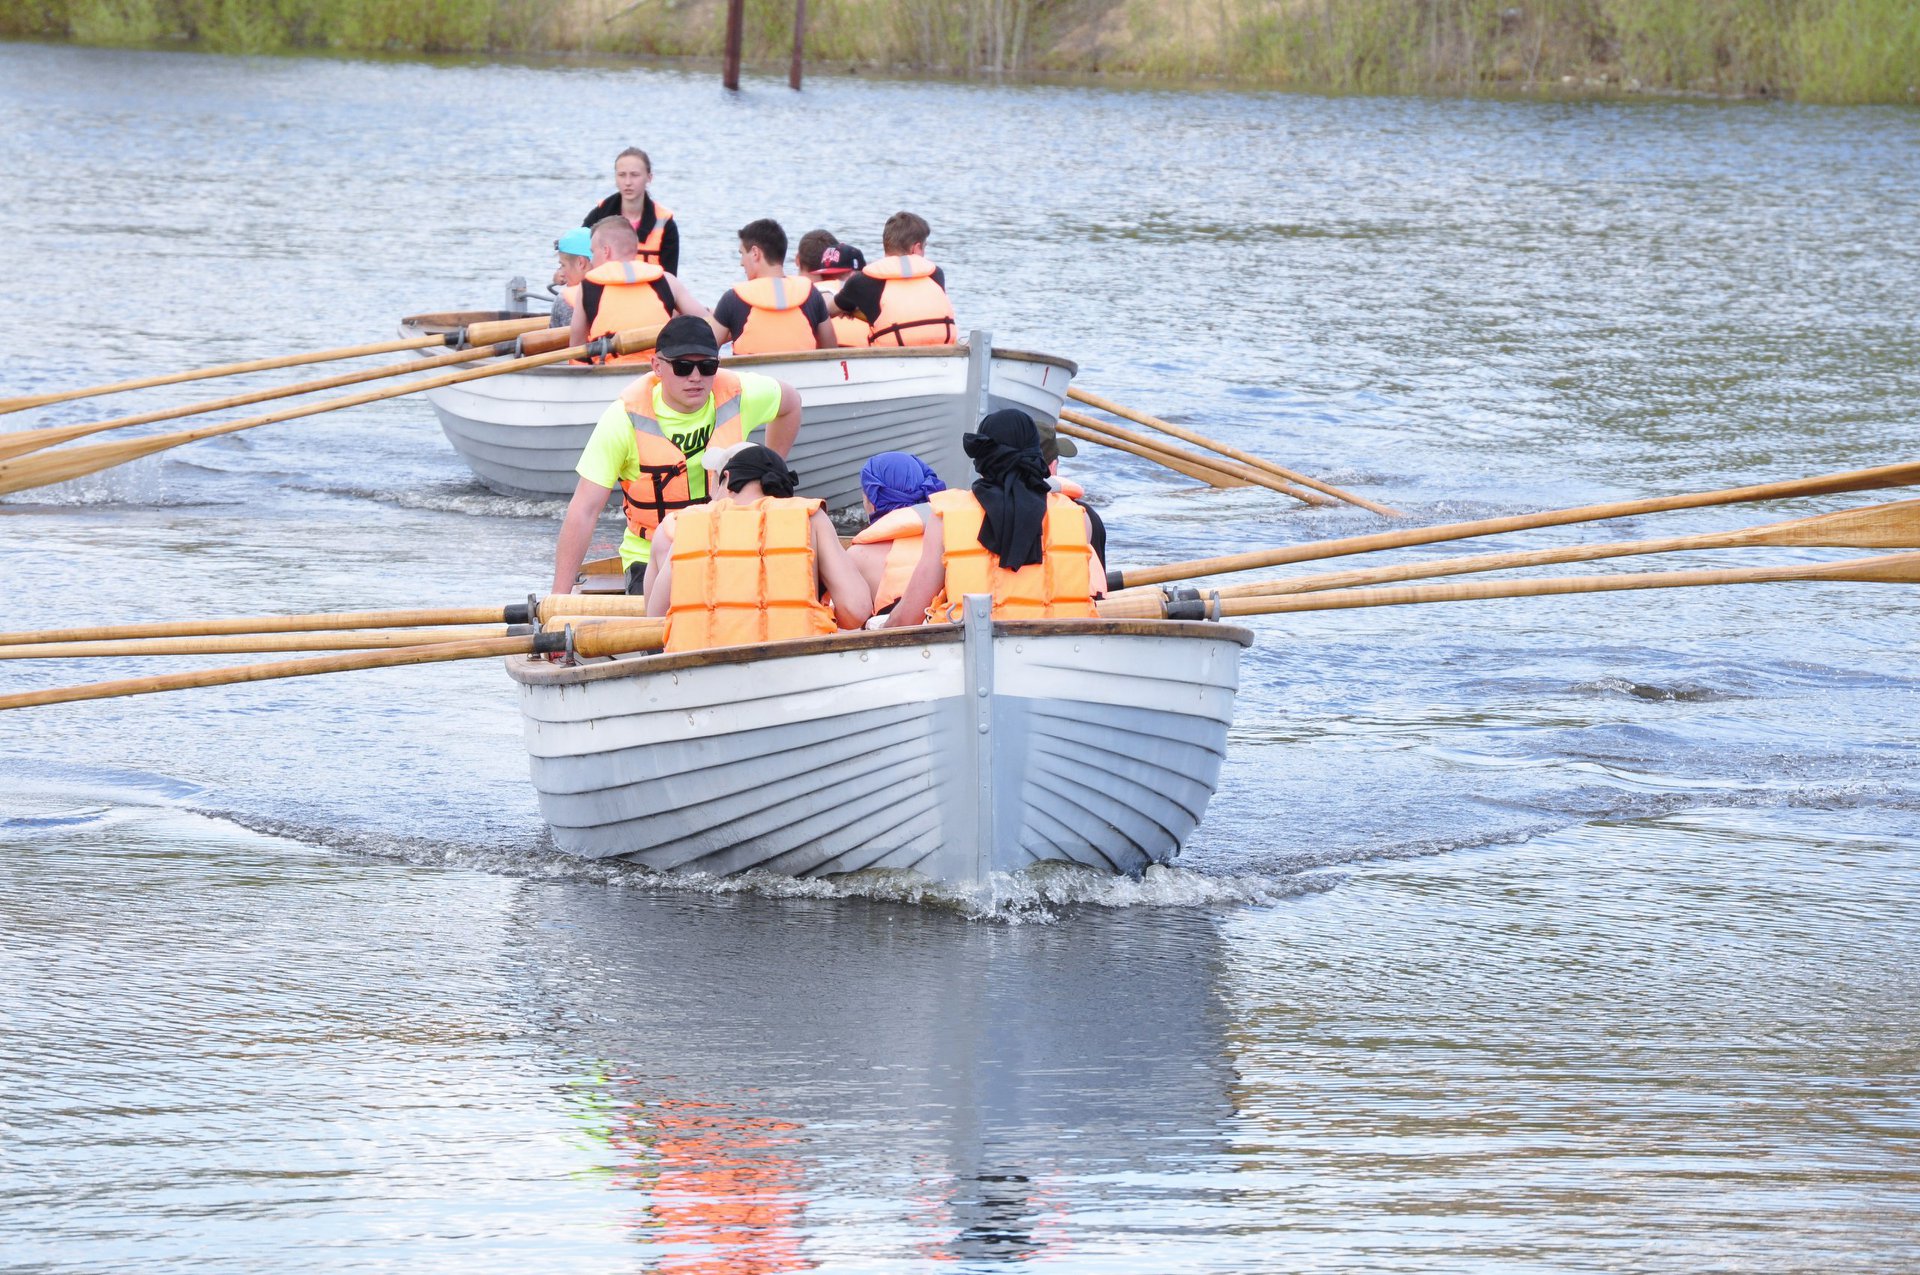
(611, 455)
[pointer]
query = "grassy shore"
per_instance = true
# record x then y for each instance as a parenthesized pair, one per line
(1810, 50)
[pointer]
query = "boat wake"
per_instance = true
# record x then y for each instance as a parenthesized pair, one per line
(448, 498)
(1039, 895)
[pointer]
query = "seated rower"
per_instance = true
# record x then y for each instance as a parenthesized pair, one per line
(575, 251)
(756, 565)
(1052, 448)
(772, 312)
(895, 487)
(622, 292)
(649, 443)
(903, 297)
(828, 263)
(1009, 535)
(653, 225)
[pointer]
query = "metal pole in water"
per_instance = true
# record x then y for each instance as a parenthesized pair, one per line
(736, 18)
(799, 43)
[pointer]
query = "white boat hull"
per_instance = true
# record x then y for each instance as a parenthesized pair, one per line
(522, 432)
(954, 751)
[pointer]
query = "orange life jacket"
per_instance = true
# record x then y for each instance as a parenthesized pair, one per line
(744, 574)
(1055, 588)
(662, 486)
(901, 531)
(1067, 487)
(914, 310)
(775, 323)
(650, 246)
(851, 331)
(633, 294)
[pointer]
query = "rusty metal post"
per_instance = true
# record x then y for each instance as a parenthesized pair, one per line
(799, 43)
(736, 21)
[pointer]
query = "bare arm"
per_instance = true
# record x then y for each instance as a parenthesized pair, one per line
(658, 582)
(577, 330)
(852, 598)
(785, 425)
(685, 299)
(1097, 579)
(928, 575)
(576, 531)
(824, 334)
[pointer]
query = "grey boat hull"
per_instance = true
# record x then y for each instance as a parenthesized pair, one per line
(955, 751)
(521, 433)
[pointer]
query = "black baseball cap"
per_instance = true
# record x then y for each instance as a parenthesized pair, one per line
(686, 335)
(842, 258)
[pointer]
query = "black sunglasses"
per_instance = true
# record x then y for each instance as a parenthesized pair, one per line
(687, 367)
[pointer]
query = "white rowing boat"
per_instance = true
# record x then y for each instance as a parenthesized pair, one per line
(522, 432)
(956, 751)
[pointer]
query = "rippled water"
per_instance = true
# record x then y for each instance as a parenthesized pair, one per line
(1544, 935)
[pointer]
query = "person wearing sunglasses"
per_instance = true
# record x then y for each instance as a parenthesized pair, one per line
(650, 442)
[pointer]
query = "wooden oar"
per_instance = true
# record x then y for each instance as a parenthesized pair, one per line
(260, 643)
(1208, 472)
(63, 465)
(20, 442)
(1227, 449)
(1897, 568)
(1892, 526)
(546, 610)
(1079, 425)
(1882, 476)
(477, 334)
(613, 638)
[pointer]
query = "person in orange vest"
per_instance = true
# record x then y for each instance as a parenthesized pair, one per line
(575, 252)
(622, 292)
(902, 297)
(895, 486)
(658, 232)
(829, 263)
(1008, 535)
(649, 443)
(772, 312)
(1052, 448)
(714, 592)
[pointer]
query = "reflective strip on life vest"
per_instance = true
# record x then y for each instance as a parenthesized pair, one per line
(776, 322)
(663, 484)
(914, 310)
(744, 574)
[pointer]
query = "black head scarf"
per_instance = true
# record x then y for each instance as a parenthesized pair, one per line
(1012, 487)
(754, 462)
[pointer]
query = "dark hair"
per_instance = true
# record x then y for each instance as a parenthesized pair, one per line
(806, 258)
(634, 152)
(766, 235)
(902, 231)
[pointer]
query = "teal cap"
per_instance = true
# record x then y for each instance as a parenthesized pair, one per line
(577, 242)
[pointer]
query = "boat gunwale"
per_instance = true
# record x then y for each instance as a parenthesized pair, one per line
(440, 322)
(531, 671)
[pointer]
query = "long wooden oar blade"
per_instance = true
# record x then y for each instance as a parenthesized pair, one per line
(1226, 449)
(20, 442)
(1891, 526)
(478, 334)
(1899, 568)
(66, 464)
(610, 638)
(545, 611)
(1881, 476)
(260, 643)
(1214, 475)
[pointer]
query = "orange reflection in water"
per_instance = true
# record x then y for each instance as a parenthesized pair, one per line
(723, 1198)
